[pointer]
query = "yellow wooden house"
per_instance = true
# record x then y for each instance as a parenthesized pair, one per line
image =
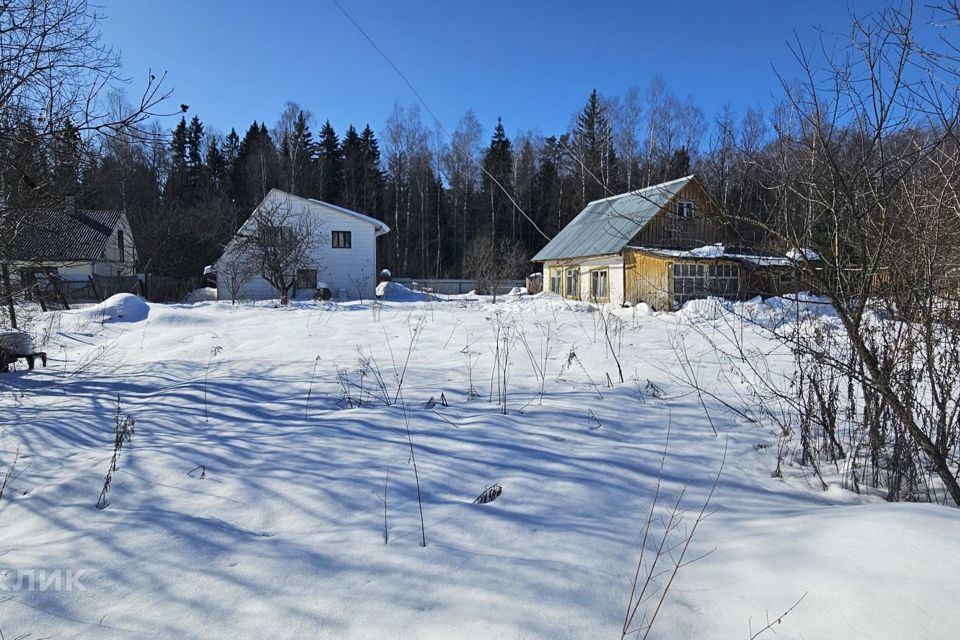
(661, 245)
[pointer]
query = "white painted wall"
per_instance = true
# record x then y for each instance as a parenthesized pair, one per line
(112, 263)
(613, 263)
(348, 273)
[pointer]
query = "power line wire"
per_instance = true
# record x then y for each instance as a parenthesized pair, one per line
(436, 120)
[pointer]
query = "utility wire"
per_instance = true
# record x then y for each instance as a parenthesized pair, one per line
(434, 116)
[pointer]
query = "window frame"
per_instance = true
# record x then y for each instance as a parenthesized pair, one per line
(341, 239)
(698, 280)
(566, 282)
(606, 283)
(556, 273)
(686, 209)
(300, 280)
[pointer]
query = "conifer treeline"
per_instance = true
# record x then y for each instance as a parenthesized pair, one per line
(187, 191)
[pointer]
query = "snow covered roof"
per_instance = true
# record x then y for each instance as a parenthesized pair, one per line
(719, 251)
(606, 226)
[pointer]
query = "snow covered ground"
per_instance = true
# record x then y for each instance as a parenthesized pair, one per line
(280, 533)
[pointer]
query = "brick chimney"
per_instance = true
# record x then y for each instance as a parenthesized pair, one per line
(70, 204)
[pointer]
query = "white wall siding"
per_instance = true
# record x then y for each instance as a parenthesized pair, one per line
(613, 264)
(348, 273)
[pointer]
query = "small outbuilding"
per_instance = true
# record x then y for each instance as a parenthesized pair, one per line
(661, 245)
(70, 253)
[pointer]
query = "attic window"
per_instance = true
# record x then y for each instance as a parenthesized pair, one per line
(120, 243)
(341, 239)
(685, 209)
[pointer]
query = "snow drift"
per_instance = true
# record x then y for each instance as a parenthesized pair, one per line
(395, 292)
(123, 307)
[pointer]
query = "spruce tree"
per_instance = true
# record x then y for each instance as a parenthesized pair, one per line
(330, 161)
(593, 148)
(498, 166)
(178, 148)
(352, 169)
(372, 175)
(297, 154)
(66, 149)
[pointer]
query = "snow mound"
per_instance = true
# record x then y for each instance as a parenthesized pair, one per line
(396, 292)
(548, 296)
(704, 309)
(709, 251)
(205, 294)
(123, 307)
(770, 313)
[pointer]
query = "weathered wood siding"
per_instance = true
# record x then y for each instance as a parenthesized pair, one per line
(648, 279)
(667, 230)
(769, 281)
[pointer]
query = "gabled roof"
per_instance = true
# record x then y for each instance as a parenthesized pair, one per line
(606, 226)
(56, 235)
(380, 227)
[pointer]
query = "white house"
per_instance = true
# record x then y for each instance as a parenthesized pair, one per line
(341, 254)
(70, 249)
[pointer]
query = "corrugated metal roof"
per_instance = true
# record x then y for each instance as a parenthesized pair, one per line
(606, 226)
(51, 234)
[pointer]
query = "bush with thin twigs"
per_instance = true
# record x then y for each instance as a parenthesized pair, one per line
(573, 359)
(541, 358)
(505, 334)
(470, 358)
(613, 328)
(306, 406)
(10, 471)
(667, 537)
(214, 352)
(383, 499)
(122, 433)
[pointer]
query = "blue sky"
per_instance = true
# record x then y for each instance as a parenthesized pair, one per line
(533, 63)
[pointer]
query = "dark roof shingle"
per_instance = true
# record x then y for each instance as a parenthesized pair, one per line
(50, 234)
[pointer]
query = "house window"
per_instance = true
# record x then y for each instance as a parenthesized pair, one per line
(120, 243)
(341, 240)
(685, 209)
(275, 236)
(306, 279)
(599, 284)
(698, 280)
(788, 282)
(573, 283)
(556, 281)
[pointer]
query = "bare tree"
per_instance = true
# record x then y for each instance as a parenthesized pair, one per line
(490, 262)
(234, 270)
(865, 170)
(275, 243)
(55, 72)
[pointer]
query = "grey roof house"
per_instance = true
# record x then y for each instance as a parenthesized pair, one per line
(67, 248)
(661, 245)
